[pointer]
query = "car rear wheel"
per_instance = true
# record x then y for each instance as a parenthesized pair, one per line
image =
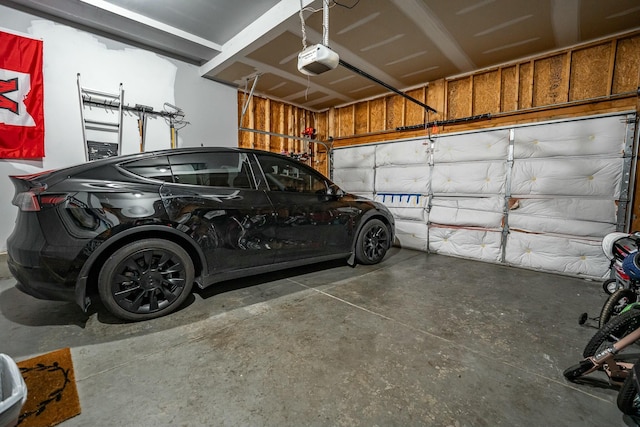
(373, 242)
(146, 279)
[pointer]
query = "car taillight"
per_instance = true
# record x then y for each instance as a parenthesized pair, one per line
(26, 202)
(47, 200)
(29, 201)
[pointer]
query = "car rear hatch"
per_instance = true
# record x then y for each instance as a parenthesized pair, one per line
(29, 189)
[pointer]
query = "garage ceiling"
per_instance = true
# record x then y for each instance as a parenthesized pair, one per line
(404, 43)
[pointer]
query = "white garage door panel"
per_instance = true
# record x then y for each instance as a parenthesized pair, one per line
(476, 244)
(560, 226)
(406, 179)
(354, 180)
(467, 212)
(355, 157)
(558, 254)
(469, 178)
(402, 153)
(604, 136)
(405, 206)
(567, 177)
(490, 145)
(599, 210)
(411, 235)
(464, 217)
(488, 204)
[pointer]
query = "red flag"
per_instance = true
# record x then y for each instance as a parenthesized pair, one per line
(21, 97)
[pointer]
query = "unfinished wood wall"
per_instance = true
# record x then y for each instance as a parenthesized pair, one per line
(594, 78)
(284, 119)
(605, 74)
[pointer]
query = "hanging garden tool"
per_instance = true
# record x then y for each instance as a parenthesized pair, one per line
(142, 111)
(176, 116)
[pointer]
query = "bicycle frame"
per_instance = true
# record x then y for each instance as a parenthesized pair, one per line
(616, 371)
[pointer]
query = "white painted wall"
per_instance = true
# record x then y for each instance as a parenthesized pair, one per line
(147, 78)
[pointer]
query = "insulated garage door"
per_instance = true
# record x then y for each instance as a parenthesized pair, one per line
(537, 196)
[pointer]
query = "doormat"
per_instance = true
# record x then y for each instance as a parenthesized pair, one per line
(52, 396)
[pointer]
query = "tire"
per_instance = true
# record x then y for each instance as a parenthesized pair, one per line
(576, 371)
(628, 400)
(146, 279)
(615, 329)
(372, 243)
(610, 286)
(615, 304)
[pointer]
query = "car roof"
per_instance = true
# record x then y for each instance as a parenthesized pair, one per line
(56, 175)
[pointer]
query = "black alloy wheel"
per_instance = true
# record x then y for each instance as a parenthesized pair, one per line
(146, 279)
(373, 242)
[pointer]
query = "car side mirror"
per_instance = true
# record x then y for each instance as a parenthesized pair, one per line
(334, 191)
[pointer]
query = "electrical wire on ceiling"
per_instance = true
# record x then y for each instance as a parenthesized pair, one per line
(335, 2)
(330, 4)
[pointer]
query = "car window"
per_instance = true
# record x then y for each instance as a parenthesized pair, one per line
(289, 175)
(216, 169)
(155, 168)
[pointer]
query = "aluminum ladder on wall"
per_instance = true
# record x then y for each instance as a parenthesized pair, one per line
(102, 138)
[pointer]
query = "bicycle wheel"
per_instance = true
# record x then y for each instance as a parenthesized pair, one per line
(628, 400)
(617, 328)
(615, 304)
(610, 286)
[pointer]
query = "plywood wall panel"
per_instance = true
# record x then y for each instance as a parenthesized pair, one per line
(414, 113)
(291, 126)
(244, 140)
(259, 122)
(626, 76)
(377, 117)
(395, 111)
(549, 81)
(321, 123)
(345, 120)
(486, 93)
(525, 86)
(361, 118)
(436, 99)
(459, 98)
(509, 88)
(589, 72)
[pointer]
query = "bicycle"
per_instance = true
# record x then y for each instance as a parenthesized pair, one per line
(623, 287)
(623, 331)
(628, 400)
(616, 247)
(619, 301)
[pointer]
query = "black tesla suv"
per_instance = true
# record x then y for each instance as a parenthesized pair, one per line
(139, 230)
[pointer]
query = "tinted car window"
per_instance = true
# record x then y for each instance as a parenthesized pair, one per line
(288, 175)
(219, 169)
(155, 167)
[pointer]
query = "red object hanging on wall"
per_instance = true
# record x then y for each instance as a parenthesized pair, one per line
(21, 97)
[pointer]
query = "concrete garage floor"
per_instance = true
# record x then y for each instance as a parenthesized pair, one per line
(419, 339)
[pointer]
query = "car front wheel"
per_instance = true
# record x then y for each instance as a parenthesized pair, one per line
(146, 279)
(373, 242)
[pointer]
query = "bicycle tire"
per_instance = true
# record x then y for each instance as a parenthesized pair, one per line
(627, 399)
(615, 329)
(578, 370)
(615, 303)
(610, 286)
